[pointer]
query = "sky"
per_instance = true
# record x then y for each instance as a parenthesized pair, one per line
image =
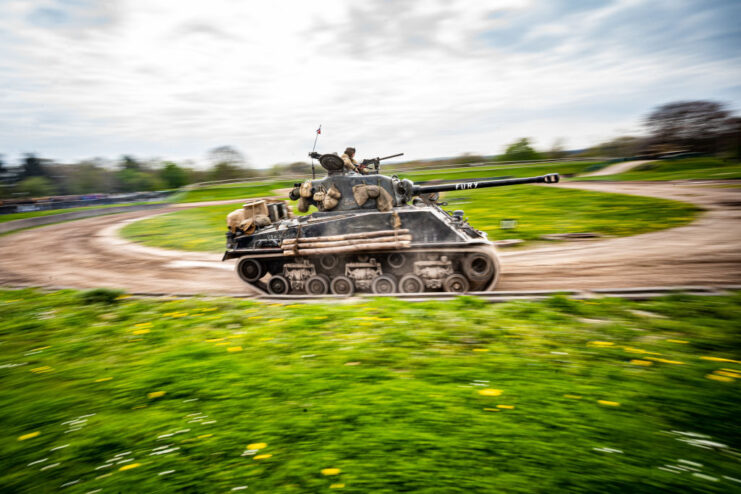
(173, 79)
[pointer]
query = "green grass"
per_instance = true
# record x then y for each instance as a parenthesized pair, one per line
(35, 214)
(681, 169)
(232, 191)
(583, 396)
(498, 171)
(539, 210)
(257, 189)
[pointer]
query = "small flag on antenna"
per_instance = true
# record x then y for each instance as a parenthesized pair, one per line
(319, 130)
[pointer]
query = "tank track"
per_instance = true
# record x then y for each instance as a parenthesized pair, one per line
(429, 269)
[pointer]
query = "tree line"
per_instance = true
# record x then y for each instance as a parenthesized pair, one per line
(705, 127)
(34, 176)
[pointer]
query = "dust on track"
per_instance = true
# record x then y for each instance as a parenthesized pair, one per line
(88, 254)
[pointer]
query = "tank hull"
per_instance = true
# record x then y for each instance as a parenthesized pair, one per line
(407, 250)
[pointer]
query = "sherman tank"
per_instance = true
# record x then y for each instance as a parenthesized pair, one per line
(370, 233)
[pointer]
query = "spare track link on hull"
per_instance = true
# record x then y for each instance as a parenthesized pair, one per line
(460, 270)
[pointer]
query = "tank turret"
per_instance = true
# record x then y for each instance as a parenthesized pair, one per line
(371, 232)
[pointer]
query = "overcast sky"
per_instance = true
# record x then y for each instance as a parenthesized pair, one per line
(173, 79)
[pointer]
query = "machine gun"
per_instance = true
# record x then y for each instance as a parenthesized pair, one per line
(376, 162)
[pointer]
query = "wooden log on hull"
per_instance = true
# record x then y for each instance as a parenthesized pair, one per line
(349, 236)
(341, 243)
(348, 248)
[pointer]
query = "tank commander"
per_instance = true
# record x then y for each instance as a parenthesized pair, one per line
(349, 159)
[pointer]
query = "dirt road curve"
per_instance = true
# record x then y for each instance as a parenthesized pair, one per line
(87, 253)
(621, 167)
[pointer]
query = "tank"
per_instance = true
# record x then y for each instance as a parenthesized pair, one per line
(370, 233)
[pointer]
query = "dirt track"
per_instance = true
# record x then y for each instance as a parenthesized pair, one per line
(87, 254)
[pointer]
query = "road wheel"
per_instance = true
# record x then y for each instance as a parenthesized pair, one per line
(411, 283)
(278, 285)
(456, 283)
(384, 284)
(250, 270)
(329, 262)
(396, 260)
(317, 285)
(478, 267)
(342, 285)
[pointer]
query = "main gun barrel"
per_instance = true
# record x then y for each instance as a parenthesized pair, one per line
(550, 178)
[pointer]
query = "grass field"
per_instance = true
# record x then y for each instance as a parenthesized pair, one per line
(539, 210)
(257, 189)
(682, 169)
(384, 396)
(231, 191)
(35, 214)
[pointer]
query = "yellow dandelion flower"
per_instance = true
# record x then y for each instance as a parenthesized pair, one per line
(365, 324)
(320, 317)
(262, 457)
(257, 446)
(480, 349)
(121, 297)
(204, 436)
(252, 318)
(209, 309)
(491, 409)
(141, 331)
(719, 359)
(129, 466)
(601, 343)
(156, 394)
(645, 363)
(336, 486)
(103, 379)
(214, 340)
(732, 371)
(222, 343)
(727, 374)
(331, 471)
(665, 361)
(506, 407)
(609, 403)
(716, 377)
(30, 435)
(573, 397)
(142, 324)
(278, 319)
(678, 341)
(41, 370)
(233, 349)
(490, 392)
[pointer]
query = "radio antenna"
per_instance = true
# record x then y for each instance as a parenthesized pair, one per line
(318, 131)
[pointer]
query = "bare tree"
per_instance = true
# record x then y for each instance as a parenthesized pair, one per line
(688, 126)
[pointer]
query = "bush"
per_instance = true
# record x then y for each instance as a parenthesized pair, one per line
(101, 296)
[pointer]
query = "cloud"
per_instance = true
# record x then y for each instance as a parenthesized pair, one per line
(430, 78)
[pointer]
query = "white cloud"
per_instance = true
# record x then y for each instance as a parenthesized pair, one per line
(174, 79)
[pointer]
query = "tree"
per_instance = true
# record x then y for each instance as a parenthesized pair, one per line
(228, 155)
(36, 187)
(689, 126)
(173, 176)
(225, 171)
(32, 166)
(520, 150)
(557, 149)
(130, 163)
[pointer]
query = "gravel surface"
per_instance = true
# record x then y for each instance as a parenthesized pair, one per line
(88, 253)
